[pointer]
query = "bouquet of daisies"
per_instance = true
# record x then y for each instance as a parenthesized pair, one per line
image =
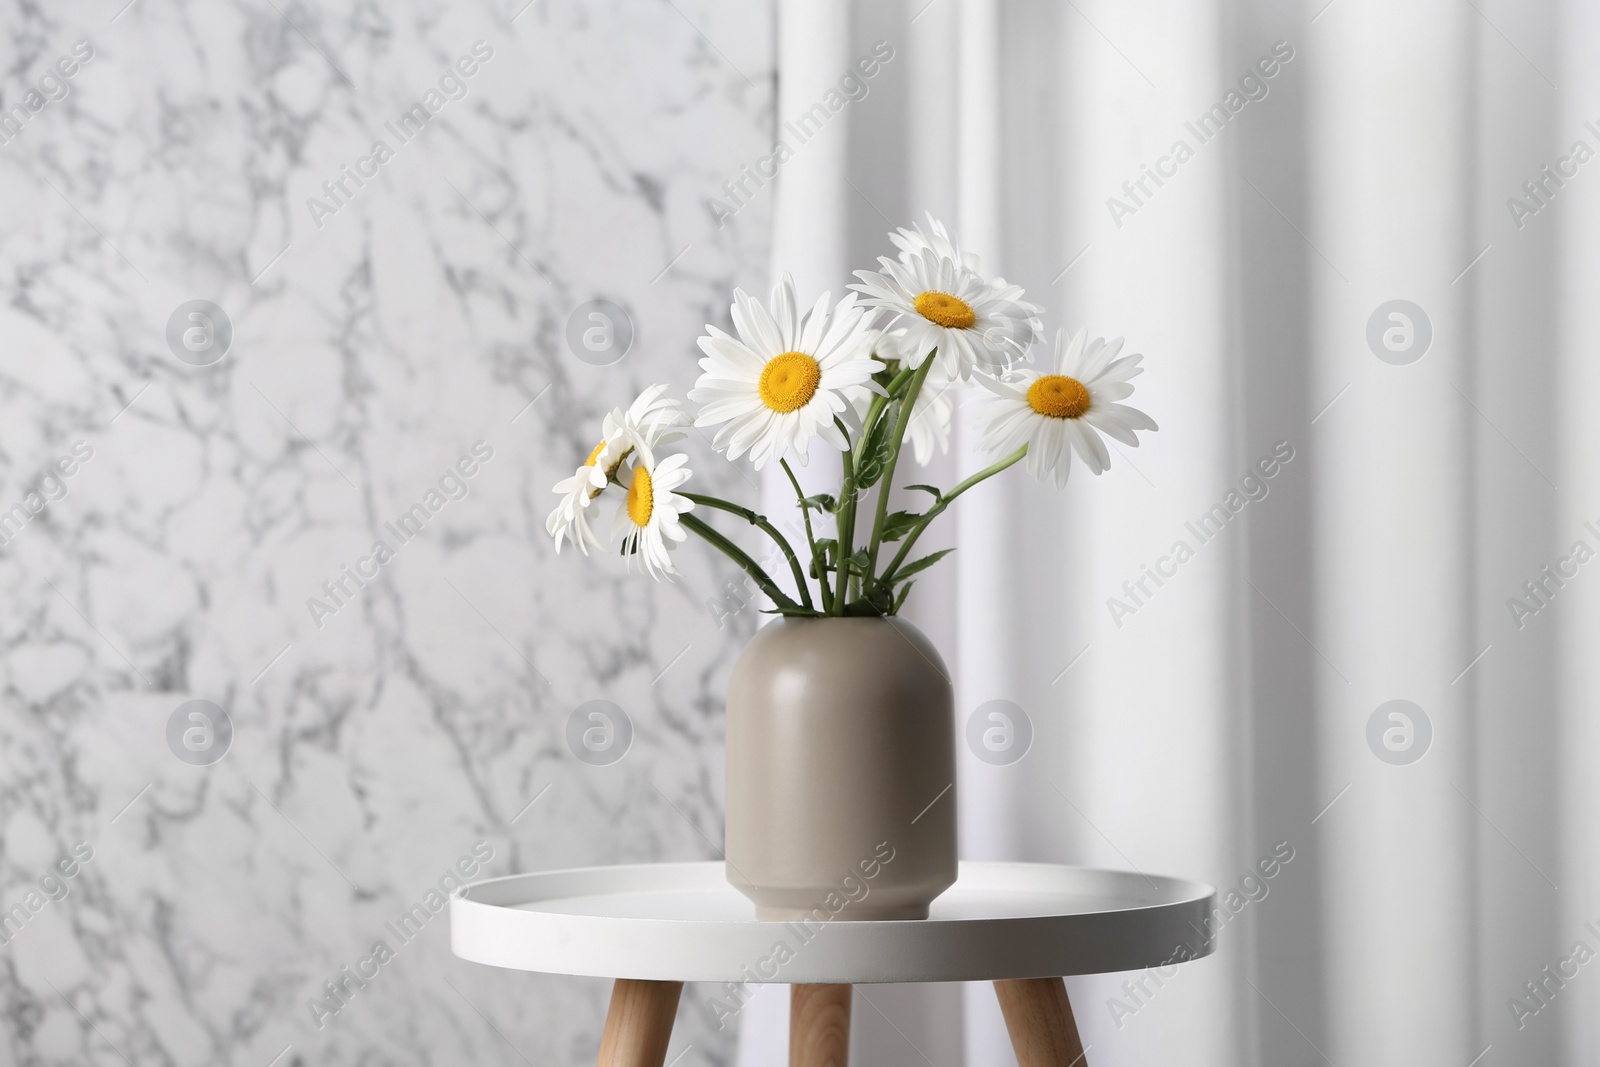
(864, 376)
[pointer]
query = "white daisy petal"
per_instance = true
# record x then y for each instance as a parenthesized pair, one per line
(755, 325)
(1112, 390)
(811, 339)
(1131, 417)
(728, 353)
(1121, 370)
(1069, 353)
(1089, 446)
(786, 314)
(831, 434)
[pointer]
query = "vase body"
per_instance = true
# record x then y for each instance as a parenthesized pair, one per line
(841, 771)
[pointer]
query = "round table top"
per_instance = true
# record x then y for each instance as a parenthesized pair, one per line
(684, 922)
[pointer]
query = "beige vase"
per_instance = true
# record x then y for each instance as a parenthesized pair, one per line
(841, 771)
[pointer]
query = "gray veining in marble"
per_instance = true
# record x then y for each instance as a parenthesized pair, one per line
(230, 909)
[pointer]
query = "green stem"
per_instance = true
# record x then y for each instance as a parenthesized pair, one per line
(875, 409)
(852, 589)
(737, 554)
(886, 483)
(944, 502)
(846, 516)
(761, 523)
(817, 562)
(848, 586)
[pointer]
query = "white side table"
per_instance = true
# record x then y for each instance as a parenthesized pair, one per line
(655, 926)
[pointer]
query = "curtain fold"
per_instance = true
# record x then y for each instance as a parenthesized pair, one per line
(1575, 47)
(1357, 508)
(1392, 583)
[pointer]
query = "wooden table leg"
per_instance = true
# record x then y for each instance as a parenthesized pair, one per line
(1039, 1019)
(639, 1023)
(819, 1026)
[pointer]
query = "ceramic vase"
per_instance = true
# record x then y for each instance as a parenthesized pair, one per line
(841, 771)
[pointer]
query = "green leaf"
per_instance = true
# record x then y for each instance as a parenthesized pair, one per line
(857, 563)
(881, 597)
(822, 502)
(899, 523)
(829, 547)
(875, 454)
(900, 601)
(922, 564)
(938, 496)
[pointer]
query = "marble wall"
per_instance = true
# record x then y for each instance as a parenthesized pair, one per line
(184, 501)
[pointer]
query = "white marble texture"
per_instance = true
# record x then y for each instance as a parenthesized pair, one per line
(421, 719)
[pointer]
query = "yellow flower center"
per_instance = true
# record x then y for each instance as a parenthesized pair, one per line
(945, 310)
(641, 498)
(789, 381)
(1058, 396)
(595, 454)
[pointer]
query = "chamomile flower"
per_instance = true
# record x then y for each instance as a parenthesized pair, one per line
(931, 415)
(942, 303)
(653, 419)
(1066, 411)
(786, 377)
(930, 422)
(648, 519)
(914, 239)
(570, 519)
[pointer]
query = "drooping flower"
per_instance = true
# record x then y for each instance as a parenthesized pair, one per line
(1066, 411)
(653, 419)
(648, 520)
(570, 518)
(786, 377)
(943, 303)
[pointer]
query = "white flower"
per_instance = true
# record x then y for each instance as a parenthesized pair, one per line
(930, 419)
(929, 428)
(945, 304)
(570, 519)
(648, 519)
(1057, 414)
(652, 419)
(936, 237)
(785, 378)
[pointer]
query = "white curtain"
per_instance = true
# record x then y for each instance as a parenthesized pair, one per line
(1200, 723)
